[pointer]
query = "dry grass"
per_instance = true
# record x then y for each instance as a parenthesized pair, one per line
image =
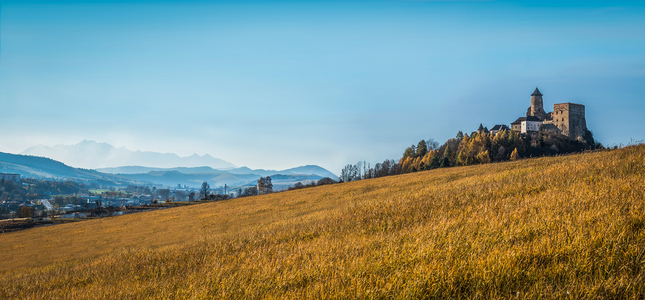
(564, 227)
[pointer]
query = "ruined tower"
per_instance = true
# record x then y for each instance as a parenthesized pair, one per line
(537, 108)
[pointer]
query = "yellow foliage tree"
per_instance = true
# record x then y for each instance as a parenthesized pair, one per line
(515, 155)
(483, 157)
(427, 158)
(406, 166)
(416, 164)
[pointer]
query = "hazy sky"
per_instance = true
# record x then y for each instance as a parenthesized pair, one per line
(278, 84)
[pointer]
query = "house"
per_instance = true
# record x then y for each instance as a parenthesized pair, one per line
(498, 128)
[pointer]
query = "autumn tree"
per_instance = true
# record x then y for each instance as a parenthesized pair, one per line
(515, 155)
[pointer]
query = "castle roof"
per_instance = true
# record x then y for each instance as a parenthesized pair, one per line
(536, 92)
(481, 127)
(500, 127)
(519, 120)
(532, 118)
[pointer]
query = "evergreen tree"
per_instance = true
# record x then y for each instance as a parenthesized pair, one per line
(422, 149)
(447, 157)
(460, 135)
(410, 152)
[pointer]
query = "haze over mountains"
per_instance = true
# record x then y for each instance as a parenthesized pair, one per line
(120, 166)
(194, 177)
(94, 155)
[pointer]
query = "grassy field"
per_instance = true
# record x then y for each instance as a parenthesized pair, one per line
(563, 227)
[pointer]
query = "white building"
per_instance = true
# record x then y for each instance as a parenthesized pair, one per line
(531, 123)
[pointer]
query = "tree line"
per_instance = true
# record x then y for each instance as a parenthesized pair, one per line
(480, 147)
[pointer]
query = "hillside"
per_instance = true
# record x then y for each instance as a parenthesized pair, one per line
(559, 227)
(46, 168)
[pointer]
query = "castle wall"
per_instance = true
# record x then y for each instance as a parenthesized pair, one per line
(570, 119)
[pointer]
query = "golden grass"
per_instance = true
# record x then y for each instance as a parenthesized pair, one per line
(563, 227)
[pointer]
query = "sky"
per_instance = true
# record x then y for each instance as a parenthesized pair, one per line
(279, 84)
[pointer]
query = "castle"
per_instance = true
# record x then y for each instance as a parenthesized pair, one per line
(566, 118)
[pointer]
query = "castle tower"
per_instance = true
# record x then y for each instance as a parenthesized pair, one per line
(537, 108)
(570, 119)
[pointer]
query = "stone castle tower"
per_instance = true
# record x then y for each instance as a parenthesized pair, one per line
(537, 108)
(570, 119)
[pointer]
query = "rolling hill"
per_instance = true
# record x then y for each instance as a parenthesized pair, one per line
(46, 168)
(558, 227)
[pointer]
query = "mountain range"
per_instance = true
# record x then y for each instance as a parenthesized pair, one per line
(93, 155)
(194, 177)
(308, 169)
(47, 168)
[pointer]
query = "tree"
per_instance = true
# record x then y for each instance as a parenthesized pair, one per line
(349, 173)
(515, 155)
(191, 197)
(431, 144)
(264, 185)
(325, 180)
(422, 148)
(203, 192)
(460, 135)
(483, 157)
(447, 157)
(250, 191)
(25, 212)
(410, 152)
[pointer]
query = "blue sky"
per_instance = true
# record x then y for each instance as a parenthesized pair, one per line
(277, 84)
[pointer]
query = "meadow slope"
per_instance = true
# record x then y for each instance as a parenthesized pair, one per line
(560, 227)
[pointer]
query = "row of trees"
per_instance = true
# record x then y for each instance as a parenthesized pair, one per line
(485, 147)
(264, 186)
(312, 183)
(477, 148)
(362, 170)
